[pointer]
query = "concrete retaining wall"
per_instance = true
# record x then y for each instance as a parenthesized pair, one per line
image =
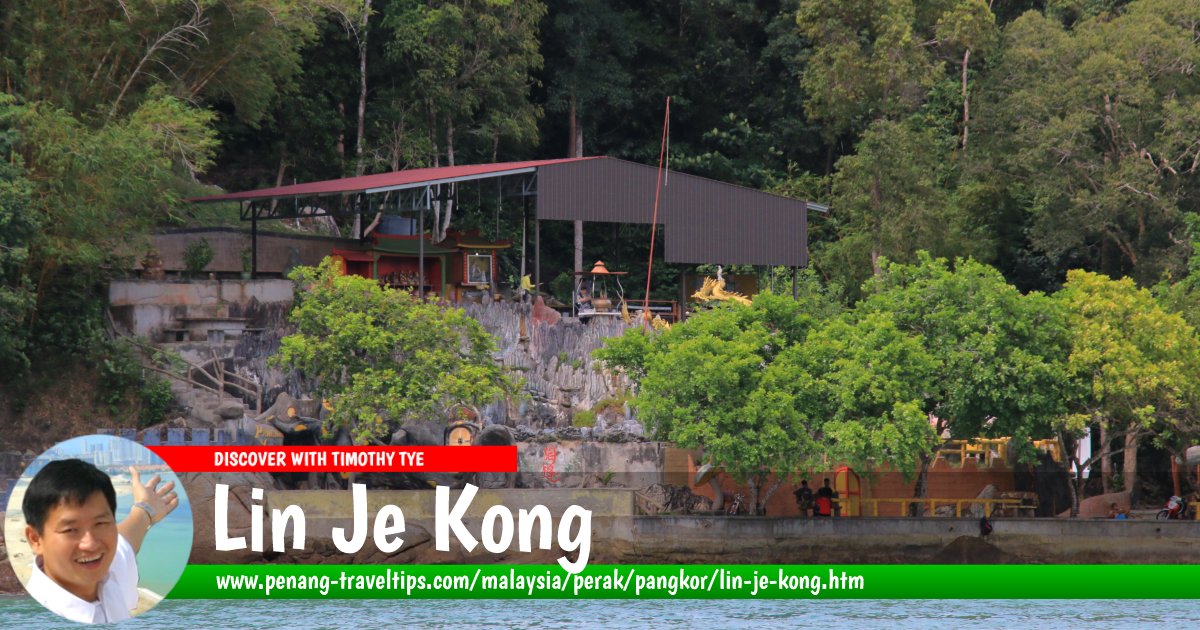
(275, 250)
(573, 464)
(910, 540)
(146, 307)
(620, 536)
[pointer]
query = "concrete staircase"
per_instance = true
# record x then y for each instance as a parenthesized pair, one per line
(207, 406)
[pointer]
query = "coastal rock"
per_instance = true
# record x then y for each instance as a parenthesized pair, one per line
(661, 498)
(1098, 506)
(971, 550)
(544, 314)
(305, 407)
(981, 509)
(9, 584)
(201, 491)
(231, 410)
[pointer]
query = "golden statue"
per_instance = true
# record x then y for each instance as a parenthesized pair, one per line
(714, 289)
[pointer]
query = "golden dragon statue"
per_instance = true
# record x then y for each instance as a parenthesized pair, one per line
(714, 289)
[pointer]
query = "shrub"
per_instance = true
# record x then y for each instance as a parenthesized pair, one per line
(120, 373)
(584, 418)
(156, 400)
(197, 255)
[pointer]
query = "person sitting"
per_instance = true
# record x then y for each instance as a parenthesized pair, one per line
(85, 566)
(583, 301)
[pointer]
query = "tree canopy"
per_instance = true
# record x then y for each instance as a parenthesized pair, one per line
(381, 356)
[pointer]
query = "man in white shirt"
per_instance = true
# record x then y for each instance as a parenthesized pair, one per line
(85, 567)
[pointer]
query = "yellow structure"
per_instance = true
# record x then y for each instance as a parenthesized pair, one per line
(714, 289)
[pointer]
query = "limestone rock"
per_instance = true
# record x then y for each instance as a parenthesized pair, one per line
(305, 407)
(983, 509)
(201, 492)
(9, 584)
(231, 409)
(544, 314)
(1099, 505)
(661, 498)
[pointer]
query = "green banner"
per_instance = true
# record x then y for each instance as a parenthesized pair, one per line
(690, 582)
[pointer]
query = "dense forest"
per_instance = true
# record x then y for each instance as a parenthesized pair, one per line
(1035, 137)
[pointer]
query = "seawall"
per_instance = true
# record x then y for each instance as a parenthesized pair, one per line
(620, 535)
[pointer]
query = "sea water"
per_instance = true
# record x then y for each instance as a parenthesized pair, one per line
(23, 612)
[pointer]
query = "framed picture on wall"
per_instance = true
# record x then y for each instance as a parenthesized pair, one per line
(479, 269)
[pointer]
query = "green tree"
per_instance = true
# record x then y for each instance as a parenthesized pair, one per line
(1093, 129)
(1138, 368)
(892, 198)
(18, 227)
(852, 393)
(85, 195)
(1002, 354)
(868, 61)
(697, 383)
(1182, 295)
(468, 63)
(381, 356)
(879, 70)
(91, 57)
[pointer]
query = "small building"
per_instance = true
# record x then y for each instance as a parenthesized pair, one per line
(461, 263)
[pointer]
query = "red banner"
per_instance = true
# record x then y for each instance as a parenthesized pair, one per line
(339, 458)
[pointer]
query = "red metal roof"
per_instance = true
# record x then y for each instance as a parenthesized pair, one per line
(397, 179)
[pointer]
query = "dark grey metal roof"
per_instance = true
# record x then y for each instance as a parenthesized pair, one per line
(704, 221)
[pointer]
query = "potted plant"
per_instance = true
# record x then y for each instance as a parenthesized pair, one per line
(196, 256)
(247, 263)
(152, 266)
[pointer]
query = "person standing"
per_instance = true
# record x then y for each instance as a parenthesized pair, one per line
(804, 498)
(824, 501)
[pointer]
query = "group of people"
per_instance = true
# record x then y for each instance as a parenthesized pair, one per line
(821, 503)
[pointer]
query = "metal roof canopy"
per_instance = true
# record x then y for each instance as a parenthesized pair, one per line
(704, 220)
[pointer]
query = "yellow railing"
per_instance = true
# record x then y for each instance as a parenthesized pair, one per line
(985, 450)
(1013, 506)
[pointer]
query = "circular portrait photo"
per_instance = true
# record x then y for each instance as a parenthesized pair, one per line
(98, 529)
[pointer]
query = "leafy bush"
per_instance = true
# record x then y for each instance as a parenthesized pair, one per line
(197, 255)
(126, 387)
(120, 373)
(584, 418)
(155, 399)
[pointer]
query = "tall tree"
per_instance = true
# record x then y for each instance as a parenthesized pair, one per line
(893, 197)
(18, 228)
(382, 356)
(1094, 128)
(1003, 354)
(468, 63)
(91, 56)
(1138, 367)
(874, 71)
(700, 384)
